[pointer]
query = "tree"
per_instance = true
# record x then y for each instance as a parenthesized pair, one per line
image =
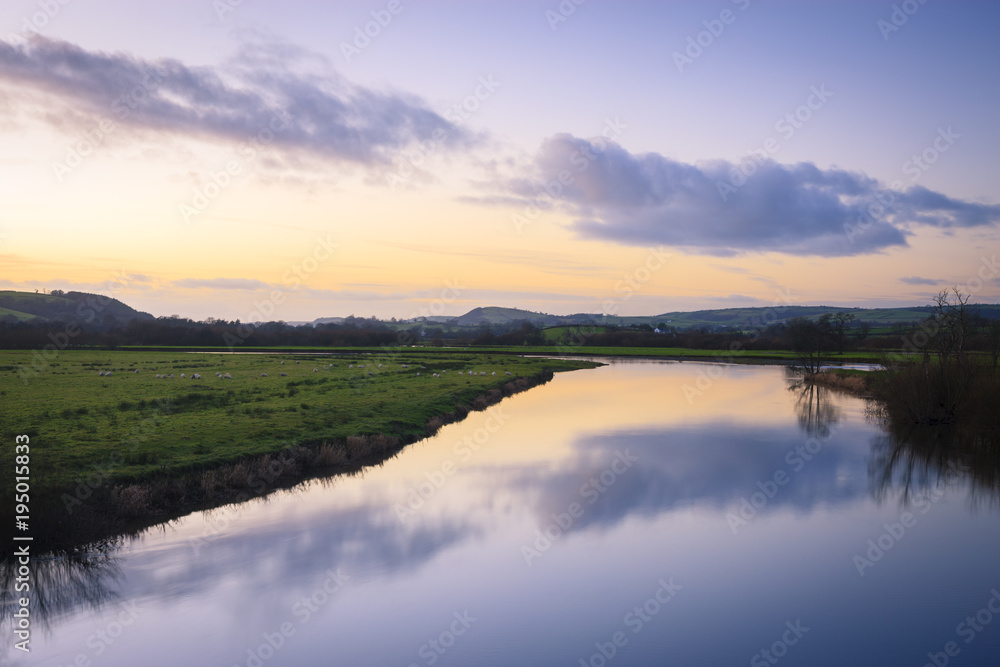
(863, 329)
(838, 324)
(951, 323)
(811, 340)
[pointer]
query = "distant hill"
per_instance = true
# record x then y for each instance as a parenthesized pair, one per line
(92, 311)
(718, 319)
(501, 316)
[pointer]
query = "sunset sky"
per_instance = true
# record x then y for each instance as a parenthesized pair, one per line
(403, 157)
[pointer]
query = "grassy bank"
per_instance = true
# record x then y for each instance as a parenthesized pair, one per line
(130, 443)
(851, 356)
(858, 383)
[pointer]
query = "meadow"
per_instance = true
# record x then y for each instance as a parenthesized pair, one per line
(131, 425)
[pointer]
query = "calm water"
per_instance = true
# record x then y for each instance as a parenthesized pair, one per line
(608, 517)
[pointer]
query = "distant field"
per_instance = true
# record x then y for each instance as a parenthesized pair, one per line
(131, 425)
(676, 353)
(554, 334)
(23, 317)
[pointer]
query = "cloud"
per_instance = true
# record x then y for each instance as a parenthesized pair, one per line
(221, 283)
(265, 88)
(916, 280)
(800, 209)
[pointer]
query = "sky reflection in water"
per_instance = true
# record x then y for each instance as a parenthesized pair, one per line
(208, 588)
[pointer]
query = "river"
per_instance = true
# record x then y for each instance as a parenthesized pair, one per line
(642, 513)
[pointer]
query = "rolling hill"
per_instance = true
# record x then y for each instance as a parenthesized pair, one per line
(92, 311)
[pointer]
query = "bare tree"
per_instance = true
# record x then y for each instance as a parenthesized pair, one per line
(952, 321)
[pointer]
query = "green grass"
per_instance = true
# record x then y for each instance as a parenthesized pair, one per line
(132, 426)
(556, 334)
(22, 317)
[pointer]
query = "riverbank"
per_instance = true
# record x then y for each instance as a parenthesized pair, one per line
(115, 452)
(856, 383)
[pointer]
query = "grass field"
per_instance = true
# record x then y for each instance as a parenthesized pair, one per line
(562, 350)
(130, 425)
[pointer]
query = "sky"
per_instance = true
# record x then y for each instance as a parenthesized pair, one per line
(255, 159)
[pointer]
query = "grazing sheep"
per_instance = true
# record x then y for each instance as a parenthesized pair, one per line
(325, 367)
(404, 365)
(108, 374)
(296, 362)
(196, 376)
(101, 373)
(493, 373)
(284, 375)
(182, 375)
(227, 376)
(508, 373)
(380, 365)
(460, 372)
(315, 370)
(282, 363)
(351, 366)
(370, 373)
(418, 374)
(171, 376)
(263, 375)
(137, 371)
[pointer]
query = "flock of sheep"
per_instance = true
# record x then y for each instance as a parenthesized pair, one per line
(227, 376)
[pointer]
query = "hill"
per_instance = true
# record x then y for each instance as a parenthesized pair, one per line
(91, 311)
(494, 315)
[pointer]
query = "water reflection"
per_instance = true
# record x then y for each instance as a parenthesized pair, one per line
(63, 582)
(814, 406)
(912, 459)
(662, 474)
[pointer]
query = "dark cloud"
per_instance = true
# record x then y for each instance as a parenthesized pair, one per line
(643, 199)
(265, 87)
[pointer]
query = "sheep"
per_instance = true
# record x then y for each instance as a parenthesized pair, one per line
(282, 363)
(137, 371)
(351, 366)
(196, 376)
(508, 373)
(263, 375)
(296, 362)
(404, 366)
(171, 376)
(325, 367)
(108, 374)
(493, 373)
(418, 374)
(227, 376)
(315, 370)
(101, 373)
(182, 375)
(284, 375)
(460, 372)
(380, 365)
(371, 373)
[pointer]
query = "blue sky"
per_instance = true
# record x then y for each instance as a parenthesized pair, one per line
(840, 96)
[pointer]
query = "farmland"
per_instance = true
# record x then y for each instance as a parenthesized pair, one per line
(132, 425)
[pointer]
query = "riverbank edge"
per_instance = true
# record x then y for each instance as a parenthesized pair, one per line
(116, 511)
(860, 384)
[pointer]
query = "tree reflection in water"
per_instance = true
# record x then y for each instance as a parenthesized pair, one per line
(912, 459)
(63, 582)
(815, 410)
